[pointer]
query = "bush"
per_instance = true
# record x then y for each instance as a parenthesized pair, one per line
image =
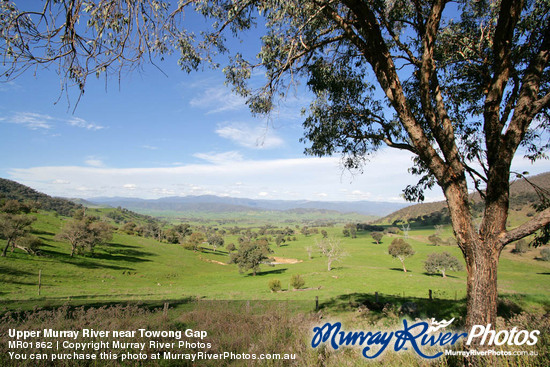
(274, 285)
(545, 254)
(441, 263)
(297, 281)
(521, 247)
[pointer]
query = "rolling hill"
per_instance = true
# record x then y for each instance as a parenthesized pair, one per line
(522, 196)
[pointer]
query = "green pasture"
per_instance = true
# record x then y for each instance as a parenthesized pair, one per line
(141, 269)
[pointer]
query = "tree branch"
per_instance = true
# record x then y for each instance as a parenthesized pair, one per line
(537, 222)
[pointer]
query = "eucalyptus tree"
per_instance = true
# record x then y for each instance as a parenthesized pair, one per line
(463, 86)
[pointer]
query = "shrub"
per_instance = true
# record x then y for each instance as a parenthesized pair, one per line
(441, 263)
(521, 247)
(545, 254)
(297, 281)
(274, 285)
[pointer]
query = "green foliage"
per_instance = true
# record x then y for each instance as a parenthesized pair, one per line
(441, 262)
(332, 249)
(21, 193)
(400, 249)
(520, 247)
(435, 240)
(14, 223)
(350, 230)
(274, 285)
(30, 244)
(85, 234)
(251, 255)
(194, 240)
(215, 240)
(297, 282)
(377, 236)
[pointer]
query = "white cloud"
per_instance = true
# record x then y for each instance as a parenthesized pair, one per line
(218, 99)
(94, 162)
(31, 120)
(79, 122)
(255, 137)
(61, 182)
(218, 158)
(149, 147)
(384, 178)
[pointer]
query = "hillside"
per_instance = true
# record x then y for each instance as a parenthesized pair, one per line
(15, 191)
(522, 196)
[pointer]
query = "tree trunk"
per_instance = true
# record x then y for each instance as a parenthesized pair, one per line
(5, 251)
(482, 293)
(481, 253)
(403, 263)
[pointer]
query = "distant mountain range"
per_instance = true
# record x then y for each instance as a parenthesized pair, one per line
(217, 204)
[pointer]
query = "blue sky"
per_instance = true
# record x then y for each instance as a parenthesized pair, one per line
(168, 133)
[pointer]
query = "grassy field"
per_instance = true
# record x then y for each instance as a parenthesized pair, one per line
(135, 268)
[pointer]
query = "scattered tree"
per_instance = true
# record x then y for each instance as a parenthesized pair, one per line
(520, 247)
(194, 240)
(215, 240)
(332, 249)
(279, 240)
(15, 223)
(230, 247)
(435, 240)
(441, 262)
(30, 244)
(324, 233)
(85, 233)
(406, 227)
(545, 254)
(401, 250)
(377, 236)
(250, 256)
(309, 250)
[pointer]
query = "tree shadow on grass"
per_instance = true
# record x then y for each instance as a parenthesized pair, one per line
(88, 264)
(423, 307)
(438, 275)
(212, 252)
(401, 270)
(41, 232)
(120, 252)
(5, 270)
(267, 272)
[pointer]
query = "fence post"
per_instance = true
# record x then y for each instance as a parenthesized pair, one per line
(430, 294)
(376, 296)
(316, 303)
(39, 280)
